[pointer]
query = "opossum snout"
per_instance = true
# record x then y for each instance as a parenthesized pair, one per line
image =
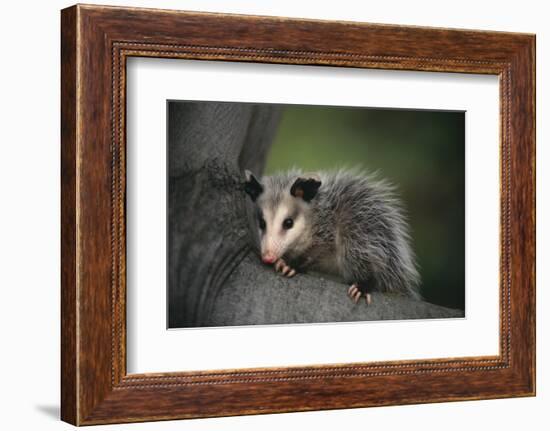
(268, 258)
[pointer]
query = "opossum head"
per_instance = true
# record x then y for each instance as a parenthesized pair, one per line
(283, 213)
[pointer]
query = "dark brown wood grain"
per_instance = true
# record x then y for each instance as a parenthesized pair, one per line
(68, 217)
(96, 41)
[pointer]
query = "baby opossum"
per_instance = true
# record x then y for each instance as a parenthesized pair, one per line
(343, 223)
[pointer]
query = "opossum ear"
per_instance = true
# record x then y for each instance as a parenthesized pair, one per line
(252, 186)
(305, 188)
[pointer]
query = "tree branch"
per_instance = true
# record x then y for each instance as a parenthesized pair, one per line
(256, 294)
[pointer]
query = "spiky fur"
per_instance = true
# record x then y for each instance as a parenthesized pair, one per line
(355, 227)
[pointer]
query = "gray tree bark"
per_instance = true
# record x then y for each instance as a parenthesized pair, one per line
(215, 276)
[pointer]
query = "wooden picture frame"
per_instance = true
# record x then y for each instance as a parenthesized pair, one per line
(95, 43)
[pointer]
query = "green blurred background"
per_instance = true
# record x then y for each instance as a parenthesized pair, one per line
(421, 152)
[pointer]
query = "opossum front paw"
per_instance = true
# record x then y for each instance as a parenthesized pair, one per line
(283, 268)
(357, 290)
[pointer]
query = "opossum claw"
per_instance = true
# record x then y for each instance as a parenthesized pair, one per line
(355, 292)
(283, 268)
(368, 298)
(279, 265)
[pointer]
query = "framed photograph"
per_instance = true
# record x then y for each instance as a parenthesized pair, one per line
(268, 215)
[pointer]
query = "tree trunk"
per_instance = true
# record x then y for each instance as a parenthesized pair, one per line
(215, 276)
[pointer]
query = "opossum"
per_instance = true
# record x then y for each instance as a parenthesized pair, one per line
(344, 223)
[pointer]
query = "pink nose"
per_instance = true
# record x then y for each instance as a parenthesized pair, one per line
(268, 258)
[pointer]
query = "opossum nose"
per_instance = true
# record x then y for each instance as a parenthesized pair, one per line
(269, 258)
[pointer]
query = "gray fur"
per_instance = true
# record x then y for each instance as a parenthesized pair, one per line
(356, 228)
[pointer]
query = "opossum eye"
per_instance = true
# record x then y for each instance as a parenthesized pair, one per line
(262, 224)
(288, 223)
